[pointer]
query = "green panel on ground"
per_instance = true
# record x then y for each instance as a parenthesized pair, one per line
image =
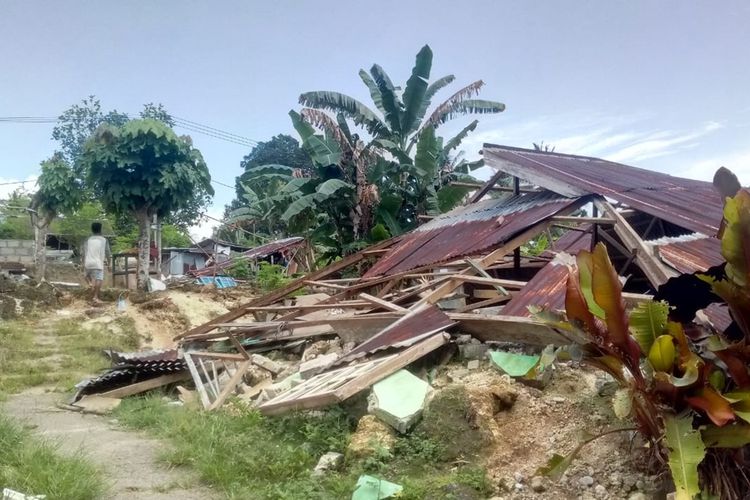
(372, 488)
(515, 365)
(399, 399)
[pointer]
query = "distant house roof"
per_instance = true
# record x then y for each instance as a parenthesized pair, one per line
(210, 242)
(691, 204)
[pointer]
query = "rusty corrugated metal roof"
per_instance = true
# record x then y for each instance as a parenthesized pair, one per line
(691, 204)
(547, 287)
(469, 230)
(415, 326)
(691, 255)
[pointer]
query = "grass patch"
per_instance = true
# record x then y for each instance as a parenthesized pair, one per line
(59, 354)
(32, 466)
(245, 455)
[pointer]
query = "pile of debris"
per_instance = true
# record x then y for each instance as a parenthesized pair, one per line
(461, 278)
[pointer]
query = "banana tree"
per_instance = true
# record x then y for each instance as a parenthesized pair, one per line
(408, 182)
(400, 119)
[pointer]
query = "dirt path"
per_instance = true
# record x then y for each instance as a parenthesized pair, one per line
(129, 460)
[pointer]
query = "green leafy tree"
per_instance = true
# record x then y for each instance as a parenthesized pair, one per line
(144, 168)
(59, 191)
(281, 149)
(14, 219)
(76, 125)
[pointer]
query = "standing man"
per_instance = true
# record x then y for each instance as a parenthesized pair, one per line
(95, 254)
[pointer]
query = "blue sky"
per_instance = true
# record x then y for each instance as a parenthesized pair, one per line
(662, 85)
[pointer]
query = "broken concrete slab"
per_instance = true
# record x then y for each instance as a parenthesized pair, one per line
(399, 400)
(274, 390)
(373, 488)
(267, 364)
(473, 364)
(9, 494)
(372, 436)
(328, 462)
(309, 369)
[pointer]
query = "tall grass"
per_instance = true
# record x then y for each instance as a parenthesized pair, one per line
(33, 466)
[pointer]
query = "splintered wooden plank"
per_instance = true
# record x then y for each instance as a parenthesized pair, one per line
(197, 380)
(231, 385)
(340, 384)
(382, 303)
(521, 330)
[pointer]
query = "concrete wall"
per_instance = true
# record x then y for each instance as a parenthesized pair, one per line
(17, 251)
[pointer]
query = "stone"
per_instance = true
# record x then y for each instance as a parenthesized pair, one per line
(399, 400)
(458, 375)
(518, 477)
(274, 390)
(473, 364)
(586, 481)
(320, 348)
(462, 339)
(256, 374)
(600, 491)
(537, 484)
(557, 399)
(309, 369)
(470, 352)
(615, 479)
(637, 496)
(372, 436)
(328, 462)
(267, 364)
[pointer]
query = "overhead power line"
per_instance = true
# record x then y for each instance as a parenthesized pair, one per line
(183, 123)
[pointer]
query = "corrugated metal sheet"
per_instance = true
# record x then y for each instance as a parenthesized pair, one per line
(691, 204)
(254, 253)
(413, 327)
(469, 230)
(691, 255)
(547, 288)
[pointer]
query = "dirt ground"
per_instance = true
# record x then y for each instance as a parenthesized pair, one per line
(129, 460)
(521, 437)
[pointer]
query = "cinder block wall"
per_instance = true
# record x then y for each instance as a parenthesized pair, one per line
(17, 251)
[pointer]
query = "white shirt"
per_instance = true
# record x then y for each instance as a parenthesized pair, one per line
(95, 251)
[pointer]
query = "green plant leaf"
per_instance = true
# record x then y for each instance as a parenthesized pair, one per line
(585, 263)
(661, 355)
(648, 321)
(330, 187)
(686, 451)
(729, 436)
(416, 89)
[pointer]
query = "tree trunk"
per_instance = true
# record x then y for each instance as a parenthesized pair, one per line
(41, 225)
(144, 243)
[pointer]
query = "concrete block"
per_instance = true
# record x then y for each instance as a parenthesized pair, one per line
(267, 364)
(271, 392)
(309, 369)
(328, 462)
(27, 244)
(473, 351)
(3, 243)
(399, 400)
(473, 364)
(13, 243)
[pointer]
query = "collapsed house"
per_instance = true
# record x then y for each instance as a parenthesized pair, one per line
(467, 272)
